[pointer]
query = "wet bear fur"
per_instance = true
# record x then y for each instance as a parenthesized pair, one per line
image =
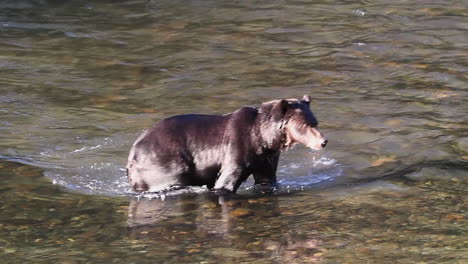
(221, 151)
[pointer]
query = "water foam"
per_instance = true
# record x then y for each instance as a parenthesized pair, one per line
(298, 176)
(97, 169)
(173, 192)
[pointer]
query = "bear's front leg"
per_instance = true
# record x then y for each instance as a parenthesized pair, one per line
(264, 173)
(229, 180)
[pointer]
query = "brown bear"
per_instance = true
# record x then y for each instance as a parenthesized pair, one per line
(221, 151)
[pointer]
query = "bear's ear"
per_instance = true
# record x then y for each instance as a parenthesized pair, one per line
(306, 99)
(280, 109)
(284, 106)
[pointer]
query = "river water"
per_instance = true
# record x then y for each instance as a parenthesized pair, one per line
(80, 80)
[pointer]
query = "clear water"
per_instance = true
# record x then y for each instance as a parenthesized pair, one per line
(80, 80)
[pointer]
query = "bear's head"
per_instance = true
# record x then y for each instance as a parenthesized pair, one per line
(291, 121)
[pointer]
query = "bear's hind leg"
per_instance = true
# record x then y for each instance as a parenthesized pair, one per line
(152, 179)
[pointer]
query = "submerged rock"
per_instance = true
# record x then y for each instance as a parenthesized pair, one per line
(239, 213)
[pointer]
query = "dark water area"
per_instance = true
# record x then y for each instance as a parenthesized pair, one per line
(80, 80)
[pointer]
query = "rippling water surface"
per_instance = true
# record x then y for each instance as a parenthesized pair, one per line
(80, 80)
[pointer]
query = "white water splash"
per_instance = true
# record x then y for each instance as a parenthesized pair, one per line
(99, 178)
(98, 169)
(170, 193)
(303, 175)
(86, 148)
(359, 12)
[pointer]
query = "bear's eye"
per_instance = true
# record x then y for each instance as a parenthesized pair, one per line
(311, 124)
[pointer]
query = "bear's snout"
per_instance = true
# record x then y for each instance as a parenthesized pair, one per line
(316, 140)
(324, 143)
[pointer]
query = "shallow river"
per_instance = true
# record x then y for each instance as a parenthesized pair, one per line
(80, 80)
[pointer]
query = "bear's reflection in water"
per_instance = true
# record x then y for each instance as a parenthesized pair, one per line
(255, 226)
(188, 213)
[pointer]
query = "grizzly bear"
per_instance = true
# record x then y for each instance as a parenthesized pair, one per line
(221, 151)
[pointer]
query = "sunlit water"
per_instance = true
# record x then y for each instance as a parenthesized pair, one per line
(80, 80)
(80, 172)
